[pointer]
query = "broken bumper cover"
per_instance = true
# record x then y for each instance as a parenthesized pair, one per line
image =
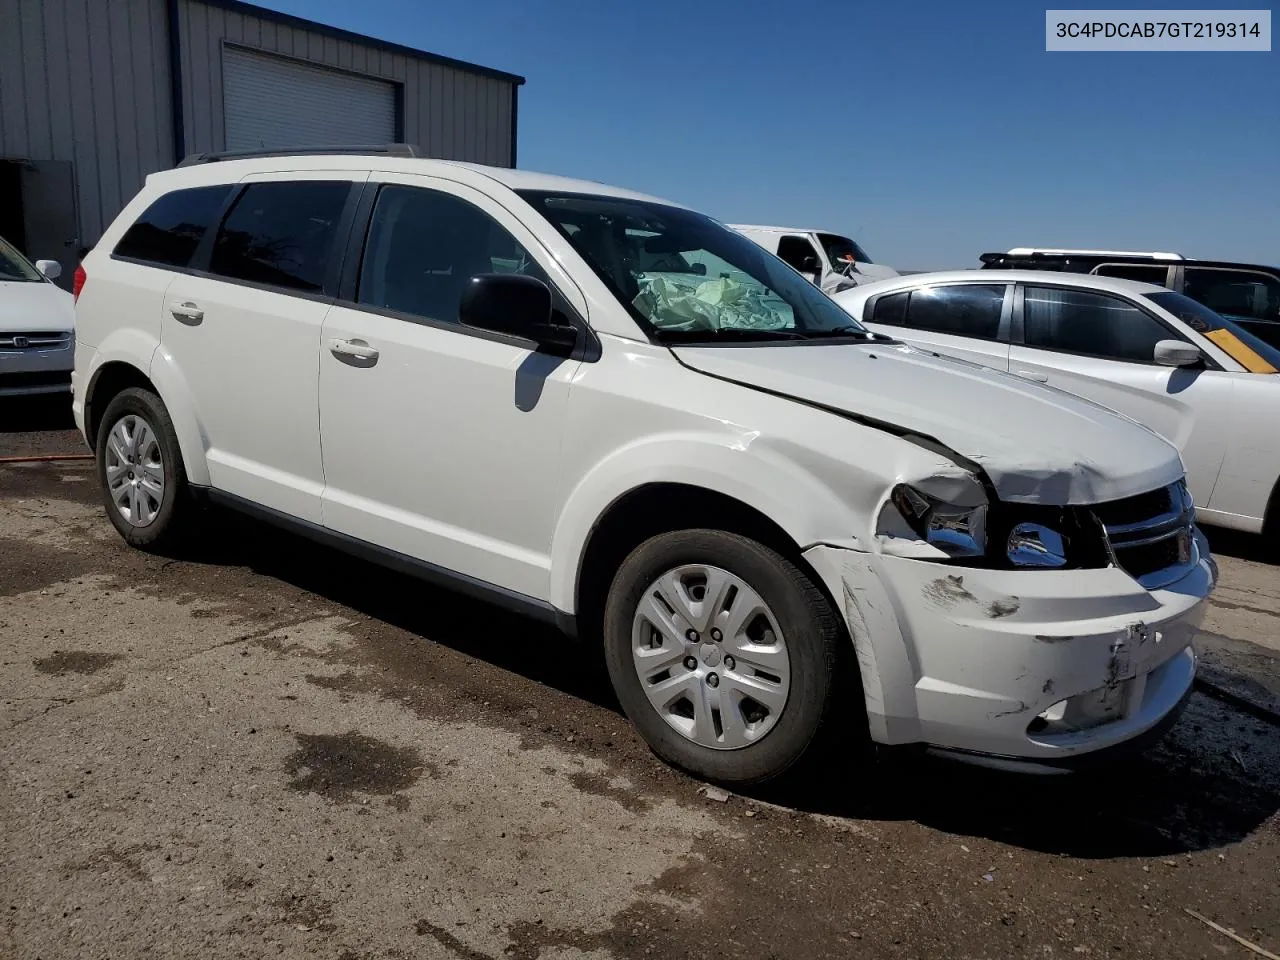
(1035, 665)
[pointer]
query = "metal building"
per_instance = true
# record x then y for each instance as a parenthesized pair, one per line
(96, 94)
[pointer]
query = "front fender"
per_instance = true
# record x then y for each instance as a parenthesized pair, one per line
(801, 504)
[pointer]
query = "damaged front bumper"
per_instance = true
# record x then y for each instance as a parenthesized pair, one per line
(1016, 665)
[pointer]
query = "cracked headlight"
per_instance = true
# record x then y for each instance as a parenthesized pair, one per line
(957, 529)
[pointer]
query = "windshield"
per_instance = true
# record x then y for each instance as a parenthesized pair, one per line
(14, 266)
(688, 279)
(842, 250)
(1241, 345)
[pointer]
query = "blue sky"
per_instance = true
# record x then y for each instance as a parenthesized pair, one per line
(930, 131)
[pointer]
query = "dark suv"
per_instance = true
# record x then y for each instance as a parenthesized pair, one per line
(1247, 293)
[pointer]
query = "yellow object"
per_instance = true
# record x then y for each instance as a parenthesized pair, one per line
(1240, 352)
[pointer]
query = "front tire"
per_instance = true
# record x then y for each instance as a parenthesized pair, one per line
(140, 470)
(723, 653)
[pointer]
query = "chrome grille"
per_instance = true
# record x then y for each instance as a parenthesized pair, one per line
(1152, 536)
(35, 340)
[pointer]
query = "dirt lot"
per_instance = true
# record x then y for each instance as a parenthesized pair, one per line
(262, 748)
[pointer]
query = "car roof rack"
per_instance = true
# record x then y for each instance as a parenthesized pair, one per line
(363, 149)
(1068, 252)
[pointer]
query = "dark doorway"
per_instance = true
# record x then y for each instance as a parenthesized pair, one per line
(11, 225)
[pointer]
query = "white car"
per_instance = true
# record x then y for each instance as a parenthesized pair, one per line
(615, 414)
(835, 261)
(1151, 353)
(37, 320)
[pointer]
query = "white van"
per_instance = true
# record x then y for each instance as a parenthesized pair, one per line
(836, 262)
(613, 413)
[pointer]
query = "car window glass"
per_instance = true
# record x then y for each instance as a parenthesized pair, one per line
(799, 253)
(964, 310)
(1239, 294)
(169, 230)
(745, 293)
(14, 267)
(1248, 350)
(1080, 321)
(424, 246)
(891, 309)
(1142, 272)
(281, 233)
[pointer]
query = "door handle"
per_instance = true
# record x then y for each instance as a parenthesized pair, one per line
(1032, 375)
(187, 312)
(353, 349)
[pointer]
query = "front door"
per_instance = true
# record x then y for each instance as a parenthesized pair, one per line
(442, 442)
(244, 329)
(1101, 347)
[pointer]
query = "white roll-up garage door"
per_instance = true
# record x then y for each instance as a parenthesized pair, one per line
(272, 103)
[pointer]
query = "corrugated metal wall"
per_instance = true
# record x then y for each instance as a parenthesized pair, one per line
(103, 104)
(451, 113)
(87, 81)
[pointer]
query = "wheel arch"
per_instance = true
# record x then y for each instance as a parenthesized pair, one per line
(659, 507)
(118, 370)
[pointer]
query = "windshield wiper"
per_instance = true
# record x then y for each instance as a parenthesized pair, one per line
(731, 333)
(849, 330)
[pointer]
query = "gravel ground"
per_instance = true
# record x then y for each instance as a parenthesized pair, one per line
(258, 747)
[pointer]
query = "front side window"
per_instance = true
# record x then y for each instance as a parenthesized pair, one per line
(962, 310)
(1240, 294)
(1095, 324)
(14, 267)
(1239, 344)
(281, 233)
(169, 230)
(799, 253)
(423, 248)
(686, 278)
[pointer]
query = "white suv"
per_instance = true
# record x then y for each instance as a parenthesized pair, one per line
(621, 416)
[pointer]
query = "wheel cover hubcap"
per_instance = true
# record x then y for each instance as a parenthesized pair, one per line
(710, 656)
(135, 470)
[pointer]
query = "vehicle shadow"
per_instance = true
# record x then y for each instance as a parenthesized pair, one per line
(36, 414)
(543, 654)
(1242, 546)
(1211, 782)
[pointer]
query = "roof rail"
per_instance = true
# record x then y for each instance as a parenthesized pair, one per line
(1067, 252)
(389, 149)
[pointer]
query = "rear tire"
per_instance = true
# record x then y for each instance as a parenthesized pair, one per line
(723, 653)
(140, 470)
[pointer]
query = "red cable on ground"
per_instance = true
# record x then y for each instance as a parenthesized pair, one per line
(45, 458)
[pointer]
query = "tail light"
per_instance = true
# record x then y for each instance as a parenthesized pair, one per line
(78, 283)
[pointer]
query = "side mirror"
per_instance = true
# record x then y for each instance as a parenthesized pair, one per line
(699, 268)
(1176, 353)
(515, 304)
(51, 269)
(809, 264)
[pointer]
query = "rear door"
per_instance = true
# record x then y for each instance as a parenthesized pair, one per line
(243, 326)
(1101, 347)
(969, 321)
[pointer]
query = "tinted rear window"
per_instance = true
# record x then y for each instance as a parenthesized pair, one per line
(281, 233)
(169, 231)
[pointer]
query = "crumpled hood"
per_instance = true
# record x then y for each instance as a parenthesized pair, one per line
(31, 306)
(1035, 443)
